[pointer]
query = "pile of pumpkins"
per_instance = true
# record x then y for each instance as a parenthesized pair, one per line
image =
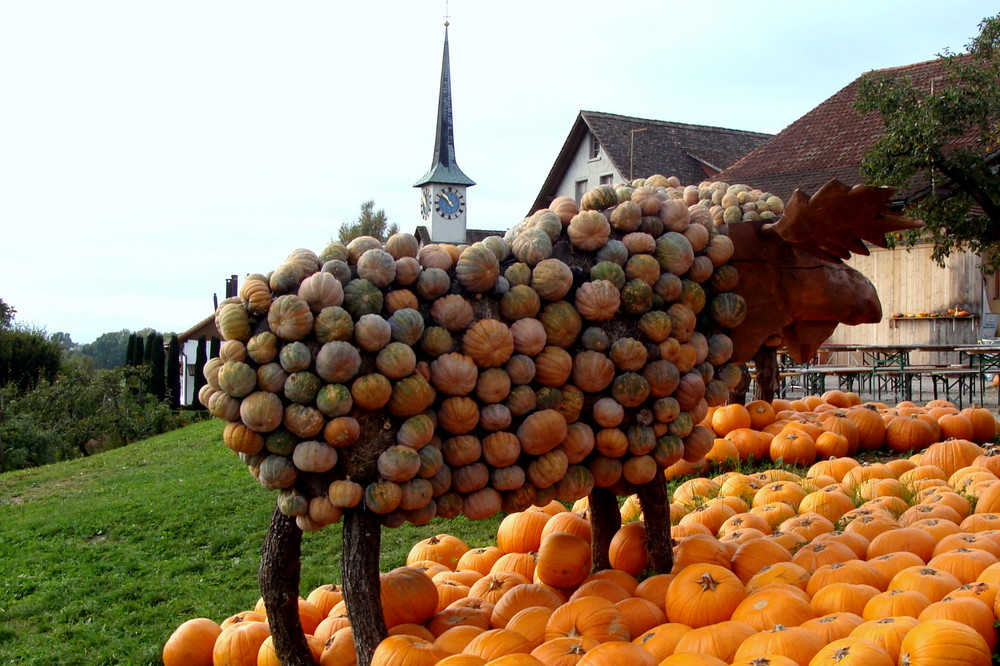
(834, 425)
(582, 348)
(878, 563)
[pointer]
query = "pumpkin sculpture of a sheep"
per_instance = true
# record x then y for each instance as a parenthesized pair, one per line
(380, 383)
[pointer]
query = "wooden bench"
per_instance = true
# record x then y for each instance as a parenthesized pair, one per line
(849, 377)
(964, 379)
(944, 377)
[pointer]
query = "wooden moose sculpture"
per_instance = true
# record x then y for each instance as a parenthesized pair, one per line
(379, 383)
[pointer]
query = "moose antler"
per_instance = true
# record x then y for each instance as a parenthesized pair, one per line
(834, 222)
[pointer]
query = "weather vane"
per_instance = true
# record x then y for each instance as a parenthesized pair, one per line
(446, 14)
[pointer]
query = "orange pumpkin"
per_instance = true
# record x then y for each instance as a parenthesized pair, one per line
(192, 643)
(703, 594)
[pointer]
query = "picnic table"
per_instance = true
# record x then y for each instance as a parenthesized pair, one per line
(886, 369)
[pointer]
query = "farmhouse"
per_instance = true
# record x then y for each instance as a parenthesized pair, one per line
(604, 148)
(829, 142)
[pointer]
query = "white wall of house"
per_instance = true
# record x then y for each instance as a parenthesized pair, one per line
(583, 167)
(188, 351)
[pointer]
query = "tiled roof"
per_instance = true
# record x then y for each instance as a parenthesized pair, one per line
(690, 152)
(206, 327)
(828, 142)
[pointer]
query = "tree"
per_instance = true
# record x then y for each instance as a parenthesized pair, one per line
(943, 139)
(108, 350)
(27, 357)
(64, 340)
(369, 223)
(7, 313)
(200, 359)
(157, 366)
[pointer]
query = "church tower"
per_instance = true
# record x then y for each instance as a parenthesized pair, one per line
(442, 188)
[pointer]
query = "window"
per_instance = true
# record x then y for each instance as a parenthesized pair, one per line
(606, 179)
(595, 147)
(581, 189)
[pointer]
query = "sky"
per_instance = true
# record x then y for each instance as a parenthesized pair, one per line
(149, 150)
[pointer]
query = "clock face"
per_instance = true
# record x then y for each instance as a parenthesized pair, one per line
(425, 203)
(449, 203)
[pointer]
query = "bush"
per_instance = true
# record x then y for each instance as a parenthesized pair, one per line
(83, 411)
(27, 357)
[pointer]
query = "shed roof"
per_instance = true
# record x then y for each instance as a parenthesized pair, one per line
(827, 142)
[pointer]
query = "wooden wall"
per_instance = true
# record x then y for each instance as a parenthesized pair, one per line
(911, 282)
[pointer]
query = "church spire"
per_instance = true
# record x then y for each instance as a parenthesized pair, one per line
(444, 169)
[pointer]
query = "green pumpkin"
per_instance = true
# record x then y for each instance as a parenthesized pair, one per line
(237, 379)
(720, 348)
(729, 309)
(518, 273)
(293, 503)
(302, 387)
(730, 374)
(436, 340)
(286, 277)
(630, 389)
(334, 400)
(595, 339)
(668, 450)
(692, 295)
(396, 360)
(277, 472)
(497, 246)
(520, 302)
(724, 278)
(610, 271)
(432, 283)
(382, 496)
(682, 425)
(295, 357)
(333, 323)
(552, 279)
(614, 251)
(599, 198)
(637, 297)
(407, 326)
(575, 484)
(548, 221)
(716, 393)
(532, 246)
(233, 322)
(655, 325)
(548, 397)
(411, 396)
(674, 253)
(263, 347)
(361, 297)
(333, 251)
(562, 324)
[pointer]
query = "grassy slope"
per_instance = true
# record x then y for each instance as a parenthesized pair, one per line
(101, 558)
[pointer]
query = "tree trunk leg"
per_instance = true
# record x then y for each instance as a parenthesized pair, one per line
(605, 520)
(738, 396)
(280, 565)
(766, 359)
(656, 514)
(359, 567)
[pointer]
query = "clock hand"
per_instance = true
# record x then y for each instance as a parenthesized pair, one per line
(450, 202)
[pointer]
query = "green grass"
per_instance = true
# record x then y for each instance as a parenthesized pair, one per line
(101, 558)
